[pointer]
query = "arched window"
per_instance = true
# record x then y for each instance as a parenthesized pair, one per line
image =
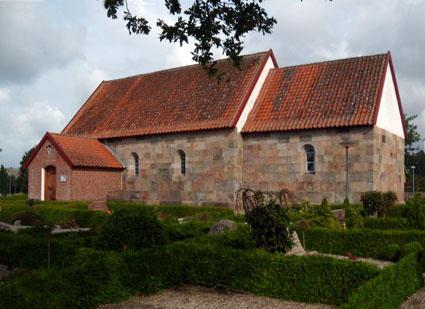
(136, 164)
(309, 155)
(182, 162)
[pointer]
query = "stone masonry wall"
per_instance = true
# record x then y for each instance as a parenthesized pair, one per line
(388, 163)
(277, 160)
(213, 167)
(43, 160)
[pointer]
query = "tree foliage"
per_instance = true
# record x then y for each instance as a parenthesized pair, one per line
(412, 135)
(4, 180)
(220, 24)
(22, 180)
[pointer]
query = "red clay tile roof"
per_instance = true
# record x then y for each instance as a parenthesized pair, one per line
(80, 151)
(175, 100)
(337, 93)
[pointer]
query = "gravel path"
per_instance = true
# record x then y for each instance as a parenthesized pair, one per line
(195, 297)
(416, 300)
(3, 271)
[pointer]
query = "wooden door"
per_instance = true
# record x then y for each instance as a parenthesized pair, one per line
(50, 184)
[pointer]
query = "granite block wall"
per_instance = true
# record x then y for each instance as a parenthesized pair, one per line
(213, 163)
(219, 162)
(275, 161)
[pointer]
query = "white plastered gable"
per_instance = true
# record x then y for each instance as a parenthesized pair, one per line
(254, 94)
(389, 116)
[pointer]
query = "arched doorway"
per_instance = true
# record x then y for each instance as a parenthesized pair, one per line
(50, 183)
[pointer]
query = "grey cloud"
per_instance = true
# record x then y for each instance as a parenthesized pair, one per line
(32, 43)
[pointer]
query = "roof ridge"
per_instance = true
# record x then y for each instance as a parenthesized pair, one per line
(181, 67)
(328, 61)
(72, 135)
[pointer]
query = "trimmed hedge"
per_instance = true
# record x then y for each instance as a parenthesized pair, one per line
(306, 279)
(55, 212)
(177, 232)
(25, 251)
(104, 277)
(179, 211)
(365, 243)
(386, 223)
(388, 290)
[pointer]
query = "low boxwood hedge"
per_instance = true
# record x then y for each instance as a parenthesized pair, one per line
(391, 288)
(365, 243)
(97, 277)
(179, 211)
(386, 223)
(177, 232)
(26, 251)
(55, 212)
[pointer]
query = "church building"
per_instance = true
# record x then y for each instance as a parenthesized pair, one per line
(178, 137)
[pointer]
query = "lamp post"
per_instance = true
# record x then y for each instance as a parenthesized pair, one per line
(413, 174)
(347, 144)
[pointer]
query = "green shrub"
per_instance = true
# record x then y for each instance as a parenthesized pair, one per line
(26, 251)
(269, 227)
(27, 218)
(133, 228)
(398, 212)
(179, 211)
(413, 247)
(391, 288)
(177, 232)
(416, 213)
(390, 252)
(323, 217)
(238, 239)
(353, 218)
(304, 279)
(364, 243)
(373, 202)
(31, 202)
(386, 223)
(95, 277)
(379, 203)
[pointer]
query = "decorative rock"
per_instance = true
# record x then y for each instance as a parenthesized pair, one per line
(185, 219)
(100, 206)
(222, 226)
(297, 249)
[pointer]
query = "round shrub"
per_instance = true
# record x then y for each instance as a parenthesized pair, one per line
(27, 218)
(132, 228)
(411, 247)
(390, 252)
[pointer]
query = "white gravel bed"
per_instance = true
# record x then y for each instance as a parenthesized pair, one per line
(195, 297)
(380, 263)
(4, 271)
(57, 229)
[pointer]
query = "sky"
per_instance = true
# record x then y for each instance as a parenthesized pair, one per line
(54, 53)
